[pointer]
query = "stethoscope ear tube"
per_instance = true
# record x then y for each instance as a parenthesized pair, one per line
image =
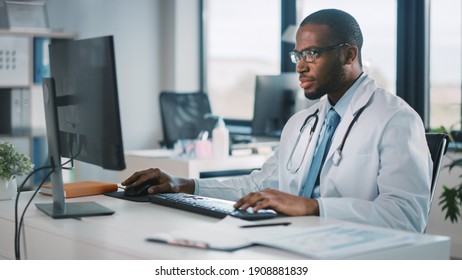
(315, 115)
(290, 166)
(338, 154)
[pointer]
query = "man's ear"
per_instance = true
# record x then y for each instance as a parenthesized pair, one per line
(351, 54)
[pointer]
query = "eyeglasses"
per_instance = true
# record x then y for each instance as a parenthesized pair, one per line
(310, 55)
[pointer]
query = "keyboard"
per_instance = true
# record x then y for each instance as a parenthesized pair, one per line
(208, 206)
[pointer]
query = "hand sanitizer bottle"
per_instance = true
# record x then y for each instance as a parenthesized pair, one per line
(220, 139)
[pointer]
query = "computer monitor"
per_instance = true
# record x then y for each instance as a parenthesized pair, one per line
(82, 116)
(277, 98)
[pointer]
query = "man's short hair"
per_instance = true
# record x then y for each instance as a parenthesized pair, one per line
(343, 26)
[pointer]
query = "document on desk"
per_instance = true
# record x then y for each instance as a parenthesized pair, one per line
(224, 235)
(320, 242)
(337, 241)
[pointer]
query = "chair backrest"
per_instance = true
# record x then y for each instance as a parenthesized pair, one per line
(183, 115)
(438, 145)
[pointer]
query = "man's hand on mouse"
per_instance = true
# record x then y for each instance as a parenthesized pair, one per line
(161, 182)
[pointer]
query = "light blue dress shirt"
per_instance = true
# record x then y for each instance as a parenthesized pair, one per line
(340, 108)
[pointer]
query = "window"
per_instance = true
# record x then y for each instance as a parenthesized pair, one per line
(377, 20)
(445, 64)
(242, 40)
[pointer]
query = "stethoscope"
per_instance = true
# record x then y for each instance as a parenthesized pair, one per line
(315, 117)
(338, 154)
(313, 120)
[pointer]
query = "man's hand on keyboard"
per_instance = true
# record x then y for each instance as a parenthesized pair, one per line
(281, 202)
(160, 181)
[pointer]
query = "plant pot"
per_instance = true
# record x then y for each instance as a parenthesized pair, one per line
(8, 188)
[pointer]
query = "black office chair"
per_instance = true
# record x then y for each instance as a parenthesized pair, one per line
(438, 145)
(183, 116)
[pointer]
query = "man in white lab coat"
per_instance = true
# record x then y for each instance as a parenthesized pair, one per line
(376, 168)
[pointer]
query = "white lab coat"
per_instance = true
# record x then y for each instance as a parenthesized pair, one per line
(383, 178)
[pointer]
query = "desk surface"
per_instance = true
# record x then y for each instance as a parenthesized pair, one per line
(122, 235)
(187, 167)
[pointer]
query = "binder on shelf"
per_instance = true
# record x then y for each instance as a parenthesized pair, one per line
(40, 158)
(83, 188)
(15, 108)
(41, 59)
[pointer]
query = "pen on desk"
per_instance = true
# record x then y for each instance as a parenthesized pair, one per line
(265, 225)
(181, 242)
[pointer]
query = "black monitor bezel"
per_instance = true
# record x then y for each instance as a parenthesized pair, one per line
(52, 102)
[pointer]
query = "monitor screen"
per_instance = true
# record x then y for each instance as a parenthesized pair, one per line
(87, 101)
(277, 98)
(82, 115)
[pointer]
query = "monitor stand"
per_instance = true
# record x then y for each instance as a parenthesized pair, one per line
(59, 209)
(74, 210)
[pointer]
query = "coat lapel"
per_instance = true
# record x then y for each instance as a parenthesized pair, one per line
(360, 99)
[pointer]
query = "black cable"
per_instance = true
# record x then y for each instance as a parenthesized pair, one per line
(17, 232)
(18, 236)
(17, 228)
(16, 205)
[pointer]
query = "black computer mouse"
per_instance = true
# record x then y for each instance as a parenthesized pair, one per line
(140, 190)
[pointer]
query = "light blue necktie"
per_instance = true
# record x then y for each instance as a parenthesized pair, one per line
(332, 121)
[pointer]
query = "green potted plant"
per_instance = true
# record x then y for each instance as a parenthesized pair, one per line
(451, 197)
(12, 164)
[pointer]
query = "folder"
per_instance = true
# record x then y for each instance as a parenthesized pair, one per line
(41, 59)
(83, 188)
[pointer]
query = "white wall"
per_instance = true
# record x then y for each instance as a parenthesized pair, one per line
(156, 49)
(186, 46)
(156, 43)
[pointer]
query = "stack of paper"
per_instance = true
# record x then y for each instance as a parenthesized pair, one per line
(320, 242)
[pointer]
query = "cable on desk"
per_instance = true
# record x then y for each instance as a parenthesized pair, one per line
(17, 227)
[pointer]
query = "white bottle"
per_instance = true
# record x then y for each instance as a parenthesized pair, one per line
(220, 139)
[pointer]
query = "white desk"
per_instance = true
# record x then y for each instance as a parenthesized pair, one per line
(122, 235)
(188, 168)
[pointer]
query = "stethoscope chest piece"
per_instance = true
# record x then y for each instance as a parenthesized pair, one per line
(337, 157)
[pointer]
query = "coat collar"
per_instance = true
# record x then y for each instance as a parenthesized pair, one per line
(362, 95)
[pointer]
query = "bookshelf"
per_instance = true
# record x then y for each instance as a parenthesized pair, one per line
(23, 63)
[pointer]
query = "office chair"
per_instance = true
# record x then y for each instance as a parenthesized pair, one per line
(438, 145)
(183, 116)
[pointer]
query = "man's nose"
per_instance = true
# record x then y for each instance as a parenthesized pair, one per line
(302, 66)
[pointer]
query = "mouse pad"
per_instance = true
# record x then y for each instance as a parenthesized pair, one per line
(121, 195)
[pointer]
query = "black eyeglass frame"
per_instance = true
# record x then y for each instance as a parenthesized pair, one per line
(296, 56)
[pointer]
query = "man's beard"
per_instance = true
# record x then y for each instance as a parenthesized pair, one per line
(334, 83)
